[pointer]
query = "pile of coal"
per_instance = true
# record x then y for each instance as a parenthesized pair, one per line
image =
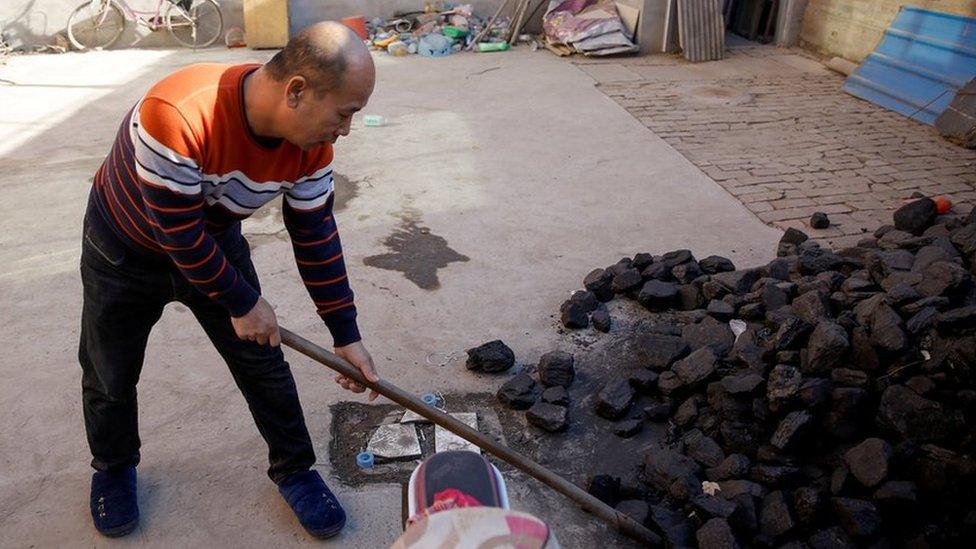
(840, 411)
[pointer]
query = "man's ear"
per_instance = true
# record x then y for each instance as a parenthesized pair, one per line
(296, 88)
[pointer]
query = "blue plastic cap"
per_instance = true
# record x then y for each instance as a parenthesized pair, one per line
(364, 460)
(430, 399)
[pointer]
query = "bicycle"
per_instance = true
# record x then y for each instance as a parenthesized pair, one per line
(99, 23)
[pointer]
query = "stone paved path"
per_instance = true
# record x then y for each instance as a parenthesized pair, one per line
(773, 128)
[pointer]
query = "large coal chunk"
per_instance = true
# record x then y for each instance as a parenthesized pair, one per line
(601, 319)
(573, 315)
(636, 509)
(906, 413)
(955, 320)
(790, 241)
(916, 216)
(696, 367)
(868, 461)
(614, 399)
(626, 281)
(555, 395)
(663, 466)
(703, 449)
(733, 466)
(792, 429)
(782, 386)
(811, 306)
(738, 282)
(658, 351)
(716, 534)
(809, 504)
(518, 393)
(676, 529)
(816, 261)
(685, 273)
(859, 518)
(792, 333)
(742, 384)
(715, 264)
(897, 495)
(549, 417)
(827, 348)
(657, 295)
(710, 333)
(556, 368)
(600, 283)
(944, 278)
(711, 506)
(775, 518)
(493, 356)
(586, 300)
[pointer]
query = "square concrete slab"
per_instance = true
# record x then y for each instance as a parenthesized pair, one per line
(394, 441)
(445, 440)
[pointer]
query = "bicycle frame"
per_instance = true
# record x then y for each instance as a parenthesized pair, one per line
(155, 20)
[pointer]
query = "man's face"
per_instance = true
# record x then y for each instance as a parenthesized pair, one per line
(316, 119)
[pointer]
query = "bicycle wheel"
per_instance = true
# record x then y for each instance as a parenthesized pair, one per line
(197, 27)
(95, 25)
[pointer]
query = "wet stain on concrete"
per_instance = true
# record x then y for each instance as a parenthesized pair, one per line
(346, 190)
(416, 252)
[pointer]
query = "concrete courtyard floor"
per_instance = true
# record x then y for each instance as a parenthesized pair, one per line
(516, 161)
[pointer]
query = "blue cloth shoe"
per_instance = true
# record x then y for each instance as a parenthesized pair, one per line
(313, 503)
(114, 508)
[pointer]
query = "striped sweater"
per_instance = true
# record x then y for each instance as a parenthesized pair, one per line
(185, 166)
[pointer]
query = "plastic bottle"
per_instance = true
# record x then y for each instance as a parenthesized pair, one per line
(493, 46)
(373, 120)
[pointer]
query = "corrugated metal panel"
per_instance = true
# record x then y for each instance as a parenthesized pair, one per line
(920, 63)
(701, 29)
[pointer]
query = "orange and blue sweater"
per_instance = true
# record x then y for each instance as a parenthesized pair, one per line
(185, 166)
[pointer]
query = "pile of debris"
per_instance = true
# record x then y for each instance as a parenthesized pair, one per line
(438, 33)
(826, 399)
(589, 27)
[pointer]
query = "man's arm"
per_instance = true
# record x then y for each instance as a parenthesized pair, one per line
(307, 213)
(170, 182)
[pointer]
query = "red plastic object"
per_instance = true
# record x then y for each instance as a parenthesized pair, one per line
(942, 204)
(358, 24)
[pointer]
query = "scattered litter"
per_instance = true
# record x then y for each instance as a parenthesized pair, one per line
(926, 355)
(445, 440)
(374, 120)
(435, 45)
(364, 460)
(413, 417)
(737, 326)
(710, 488)
(394, 441)
(430, 399)
(493, 46)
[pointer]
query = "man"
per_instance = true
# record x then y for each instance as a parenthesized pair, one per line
(205, 148)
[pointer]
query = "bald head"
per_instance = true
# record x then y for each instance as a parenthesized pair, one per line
(324, 53)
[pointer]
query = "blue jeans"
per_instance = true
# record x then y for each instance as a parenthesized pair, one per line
(125, 291)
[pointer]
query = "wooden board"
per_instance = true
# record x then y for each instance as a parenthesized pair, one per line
(266, 23)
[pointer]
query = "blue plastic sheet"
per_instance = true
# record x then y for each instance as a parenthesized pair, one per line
(919, 65)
